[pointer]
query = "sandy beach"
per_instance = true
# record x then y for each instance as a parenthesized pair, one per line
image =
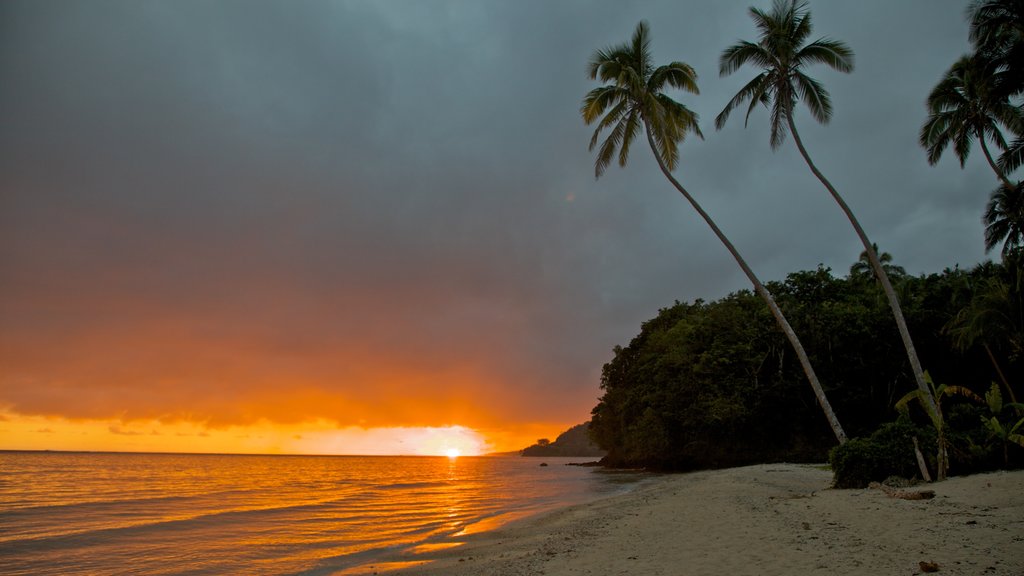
(763, 520)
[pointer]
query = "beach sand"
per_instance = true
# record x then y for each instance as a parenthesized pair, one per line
(764, 520)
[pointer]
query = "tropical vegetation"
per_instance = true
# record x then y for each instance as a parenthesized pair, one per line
(712, 384)
(709, 384)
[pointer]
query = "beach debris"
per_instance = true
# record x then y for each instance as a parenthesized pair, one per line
(543, 463)
(928, 566)
(903, 494)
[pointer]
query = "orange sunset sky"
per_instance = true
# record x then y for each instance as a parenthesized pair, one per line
(374, 227)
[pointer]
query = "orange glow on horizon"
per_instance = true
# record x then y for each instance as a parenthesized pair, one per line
(318, 437)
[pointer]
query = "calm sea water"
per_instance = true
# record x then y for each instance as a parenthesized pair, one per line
(89, 513)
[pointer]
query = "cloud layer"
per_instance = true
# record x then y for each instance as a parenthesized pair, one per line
(384, 214)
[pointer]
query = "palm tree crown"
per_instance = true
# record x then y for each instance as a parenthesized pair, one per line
(782, 54)
(966, 104)
(862, 267)
(634, 98)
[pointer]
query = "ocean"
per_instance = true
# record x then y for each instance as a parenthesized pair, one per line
(163, 514)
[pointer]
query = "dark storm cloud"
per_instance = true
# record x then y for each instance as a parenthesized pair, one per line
(210, 202)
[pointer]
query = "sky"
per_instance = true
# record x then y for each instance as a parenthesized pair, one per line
(374, 227)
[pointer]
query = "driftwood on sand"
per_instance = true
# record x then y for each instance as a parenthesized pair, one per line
(903, 494)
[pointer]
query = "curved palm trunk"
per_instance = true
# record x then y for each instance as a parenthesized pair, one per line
(883, 278)
(999, 371)
(995, 168)
(837, 429)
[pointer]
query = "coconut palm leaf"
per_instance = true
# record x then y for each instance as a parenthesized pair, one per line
(1004, 219)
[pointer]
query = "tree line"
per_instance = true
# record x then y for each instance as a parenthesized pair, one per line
(712, 384)
(978, 99)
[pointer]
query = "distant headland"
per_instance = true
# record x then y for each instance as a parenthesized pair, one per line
(574, 442)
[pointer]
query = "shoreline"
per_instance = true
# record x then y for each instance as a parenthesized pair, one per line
(763, 519)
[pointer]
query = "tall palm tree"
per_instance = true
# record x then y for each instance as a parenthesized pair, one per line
(965, 105)
(1004, 219)
(781, 53)
(634, 101)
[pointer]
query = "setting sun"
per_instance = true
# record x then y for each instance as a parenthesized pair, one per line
(452, 452)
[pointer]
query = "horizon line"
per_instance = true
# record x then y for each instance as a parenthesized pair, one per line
(153, 452)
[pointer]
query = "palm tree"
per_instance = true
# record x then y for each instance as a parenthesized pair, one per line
(1004, 219)
(781, 54)
(862, 267)
(938, 392)
(967, 104)
(634, 101)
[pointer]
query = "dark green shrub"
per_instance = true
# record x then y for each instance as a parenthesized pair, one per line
(888, 452)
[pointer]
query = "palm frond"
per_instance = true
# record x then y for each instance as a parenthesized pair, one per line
(602, 57)
(1004, 219)
(779, 124)
(964, 392)
(1010, 116)
(743, 52)
(763, 20)
(631, 129)
(800, 16)
(613, 116)
(991, 131)
(608, 148)
(1013, 157)
(677, 75)
(935, 136)
(598, 100)
(751, 91)
(994, 24)
(641, 48)
(962, 139)
(832, 53)
(679, 115)
(814, 96)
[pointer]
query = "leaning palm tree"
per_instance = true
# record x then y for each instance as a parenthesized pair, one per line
(1004, 219)
(781, 55)
(634, 101)
(967, 105)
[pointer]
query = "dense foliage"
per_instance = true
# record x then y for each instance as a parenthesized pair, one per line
(710, 384)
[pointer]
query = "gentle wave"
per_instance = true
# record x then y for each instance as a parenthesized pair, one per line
(163, 514)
